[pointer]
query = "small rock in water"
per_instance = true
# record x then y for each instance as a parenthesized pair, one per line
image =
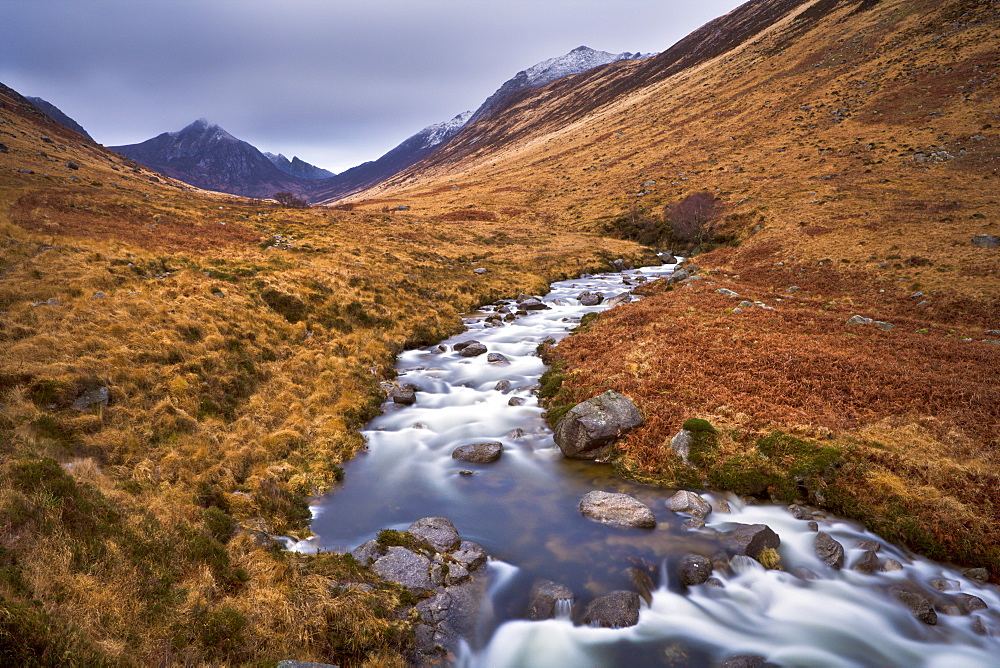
(479, 453)
(867, 562)
(502, 386)
(403, 396)
(799, 512)
(473, 349)
(918, 606)
(533, 305)
(829, 551)
(944, 584)
(642, 582)
(750, 540)
(690, 503)
(694, 569)
(970, 603)
(497, 359)
(980, 574)
(590, 298)
(516, 401)
(515, 434)
(745, 661)
(617, 610)
(466, 472)
(617, 510)
(866, 544)
(543, 597)
(890, 565)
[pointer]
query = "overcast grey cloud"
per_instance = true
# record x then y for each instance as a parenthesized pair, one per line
(336, 83)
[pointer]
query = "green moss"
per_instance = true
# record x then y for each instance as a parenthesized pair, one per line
(393, 538)
(698, 425)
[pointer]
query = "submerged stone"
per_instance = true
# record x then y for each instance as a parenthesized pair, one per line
(619, 510)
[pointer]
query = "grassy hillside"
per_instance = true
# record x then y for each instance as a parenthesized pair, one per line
(852, 151)
(240, 346)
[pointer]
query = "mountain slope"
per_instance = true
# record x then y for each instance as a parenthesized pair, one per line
(424, 143)
(56, 114)
(208, 157)
(298, 167)
(853, 149)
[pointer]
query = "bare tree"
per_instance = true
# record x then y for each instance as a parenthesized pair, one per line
(290, 200)
(695, 218)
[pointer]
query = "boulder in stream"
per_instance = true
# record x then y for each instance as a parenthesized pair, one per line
(689, 503)
(588, 298)
(694, 569)
(543, 597)
(498, 359)
(439, 532)
(918, 606)
(479, 453)
(829, 551)
(619, 510)
(617, 610)
(591, 426)
(750, 540)
(470, 348)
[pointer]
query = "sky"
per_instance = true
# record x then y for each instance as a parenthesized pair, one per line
(335, 83)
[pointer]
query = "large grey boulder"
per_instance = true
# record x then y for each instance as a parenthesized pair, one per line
(588, 298)
(617, 610)
(439, 532)
(591, 426)
(689, 503)
(543, 597)
(479, 453)
(405, 568)
(470, 349)
(829, 551)
(619, 510)
(750, 540)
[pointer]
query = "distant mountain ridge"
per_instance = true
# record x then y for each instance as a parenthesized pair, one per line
(57, 114)
(206, 156)
(298, 167)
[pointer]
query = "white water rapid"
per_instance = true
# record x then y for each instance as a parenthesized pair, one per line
(523, 509)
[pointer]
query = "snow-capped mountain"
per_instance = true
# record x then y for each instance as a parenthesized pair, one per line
(580, 59)
(205, 155)
(298, 167)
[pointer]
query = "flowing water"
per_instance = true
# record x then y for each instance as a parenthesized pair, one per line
(524, 510)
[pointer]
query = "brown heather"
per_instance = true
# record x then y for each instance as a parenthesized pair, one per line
(243, 345)
(854, 147)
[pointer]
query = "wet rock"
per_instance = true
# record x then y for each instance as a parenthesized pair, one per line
(693, 523)
(720, 505)
(99, 396)
(980, 574)
(866, 563)
(745, 661)
(804, 573)
(516, 401)
(590, 298)
(689, 503)
(461, 345)
(619, 510)
(471, 555)
(623, 298)
(944, 584)
(642, 582)
(473, 349)
(440, 532)
(979, 628)
(533, 304)
(479, 453)
(404, 396)
(515, 434)
(497, 359)
(985, 241)
(970, 603)
(813, 526)
(750, 540)
(918, 606)
(694, 569)
(866, 544)
(591, 426)
(502, 386)
(829, 551)
(617, 610)
(543, 597)
(890, 565)
(667, 258)
(799, 512)
(405, 568)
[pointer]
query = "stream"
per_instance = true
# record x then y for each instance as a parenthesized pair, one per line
(523, 509)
